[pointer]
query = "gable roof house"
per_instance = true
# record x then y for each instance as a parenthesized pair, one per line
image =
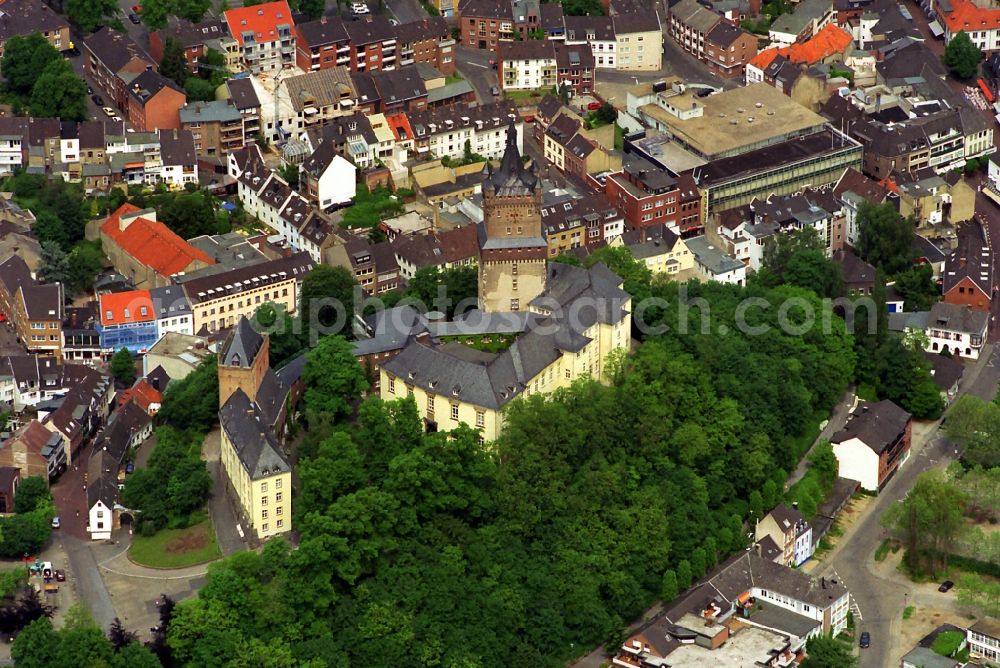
(874, 443)
(35, 451)
(956, 328)
(24, 17)
(154, 102)
(968, 270)
(265, 34)
(147, 251)
(111, 60)
(789, 531)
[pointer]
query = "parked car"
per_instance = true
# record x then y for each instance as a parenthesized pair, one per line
(60, 575)
(594, 106)
(98, 100)
(529, 119)
(55, 522)
(495, 91)
(108, 111)
(90, 91)
(946, 586)
(134, 18)
(866, 640)
(360, 8)
(116, 119)
(137, 9)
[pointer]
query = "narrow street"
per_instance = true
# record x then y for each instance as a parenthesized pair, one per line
(881, 600)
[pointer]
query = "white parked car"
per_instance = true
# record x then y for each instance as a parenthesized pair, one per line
(108, 111)
(360, 8)
(116, 119)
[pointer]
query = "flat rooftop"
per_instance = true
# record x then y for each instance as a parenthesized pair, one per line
(745, 648)
(775, 155)
(783, 621)
(715, 133)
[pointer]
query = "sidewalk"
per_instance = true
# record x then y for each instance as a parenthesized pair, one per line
(838, 418)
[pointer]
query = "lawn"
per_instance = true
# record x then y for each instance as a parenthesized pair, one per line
(176, 548)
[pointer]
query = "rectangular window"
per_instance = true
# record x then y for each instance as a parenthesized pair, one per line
(263, 486)
(454, 412)
(277, 497)
(430, 403)
(392, 386)
(263, 514)
(263, 500)
(264, 527)
(480, 419)
(281, 523)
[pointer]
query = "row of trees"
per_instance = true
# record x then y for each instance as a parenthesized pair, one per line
(80, 642)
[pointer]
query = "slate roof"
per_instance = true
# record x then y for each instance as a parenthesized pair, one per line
(242, 93)
(195, 34)
(102, 479)
(323, 31)
(578, 27)
(749, 570)
(958, 318)
(650, 241)
(158, 378)
(115, 49)
(786, 518)
(431, 250)
(972, 259)
(321, 88)
(372, 28)
(43, 302)
(399, 85)
(432, 28)
(177, 148)
(855, 270)
(148, 84)
(251, 436)
(510, 177)
(724, 34)
(23, 17)
(877, 425)
(241, 345)
(945, 371)
(295, 266)
(768, 549)
(694, 14)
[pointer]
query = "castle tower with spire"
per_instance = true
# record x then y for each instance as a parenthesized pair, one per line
(512, 248)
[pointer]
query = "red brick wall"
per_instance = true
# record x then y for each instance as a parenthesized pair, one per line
(161, 112)
(966, 292)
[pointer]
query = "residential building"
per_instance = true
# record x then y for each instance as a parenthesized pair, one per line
(649, 196)
(38, 317)
(142, 394)
(859, 276)
(79, 412)
(984, 639)
(956, 329)
(587, 159)
(244, 97)
(352, 136)
(728, 49)
(512, 249)
(373, 44)
(178, 158)
(252, 401)
(661, 249)
(173, 310)
(112, 59)
(638, 42)
(130, 425)
(216, 127)
(574, 222)
(326, 178)
(316, 97)
(145, 251)
(452, 383)
(690, 23)
(485, 23)
(925, 657)
(874, 443)
(808, 18)
(932, 198)
(790, 532)
(373, 265)
(968, 270)
(24, 17)
(195, 38)
(946, 372)
(321, 44)
(218, 301)
(713, 264)
(266, 35)
(34, 451)
(828, 45)
(443, 249)
(981, 22)
(711, 624)
(444, 132)
(154, 102)
(533, 64)
(427, 41)
(127, 320)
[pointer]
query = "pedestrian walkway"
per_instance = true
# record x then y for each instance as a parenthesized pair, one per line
(838, 418)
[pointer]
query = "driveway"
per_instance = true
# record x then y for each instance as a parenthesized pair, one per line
(406, 11)
(220, 504)
(836, 422)
(474, 66)
(879, 596)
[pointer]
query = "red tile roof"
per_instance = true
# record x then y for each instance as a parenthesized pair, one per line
(122, 308)
(261, 19)
(152, 243)
(400, 126)
(968, 16)
(142, 393)
(827, 42)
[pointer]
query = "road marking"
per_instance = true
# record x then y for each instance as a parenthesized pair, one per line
(857, 612)
(476, 65)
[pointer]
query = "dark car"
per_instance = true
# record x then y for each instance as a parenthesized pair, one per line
(98, 100)
(60, 575)
(946, 586)
(495, 91)
(866, 640)
(134, 18)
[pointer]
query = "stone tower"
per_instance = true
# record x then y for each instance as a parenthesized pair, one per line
(512, 248)
(243, 361)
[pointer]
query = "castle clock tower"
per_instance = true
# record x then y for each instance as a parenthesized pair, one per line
(512, 248)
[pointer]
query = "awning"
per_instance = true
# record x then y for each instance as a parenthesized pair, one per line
(423, 149)
(935, 28)
(310, 110)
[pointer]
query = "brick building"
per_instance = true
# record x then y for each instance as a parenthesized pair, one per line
(648, 196)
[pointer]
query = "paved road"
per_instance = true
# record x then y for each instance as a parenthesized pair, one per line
(881, 600)
(406, 11)
(220, 505)
(89, 585)
(989, 213)
(474, 65)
